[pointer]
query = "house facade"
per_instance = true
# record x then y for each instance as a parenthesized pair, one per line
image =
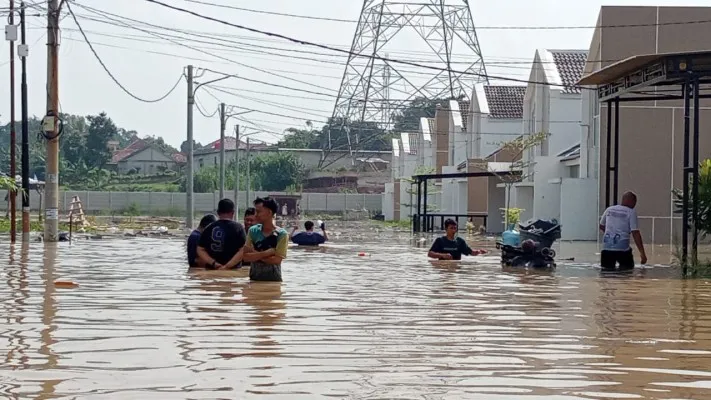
(144, 158)
(651, 133)
(551, 185)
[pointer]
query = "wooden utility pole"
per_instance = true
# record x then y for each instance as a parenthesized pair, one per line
(51, 221)
(13, 135)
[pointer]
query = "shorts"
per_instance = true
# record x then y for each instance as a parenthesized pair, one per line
(265, 272)
(610, 259)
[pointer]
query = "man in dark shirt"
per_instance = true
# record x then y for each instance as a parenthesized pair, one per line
(309, 237)
(221, 244)
(450, 247)
(194, 238)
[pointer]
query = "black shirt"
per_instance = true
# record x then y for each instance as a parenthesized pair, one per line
(223, 239)
(455, 247)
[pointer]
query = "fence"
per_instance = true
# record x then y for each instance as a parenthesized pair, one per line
(115, 202)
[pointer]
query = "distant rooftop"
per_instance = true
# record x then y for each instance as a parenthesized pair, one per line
(505, 102)
(570, 65)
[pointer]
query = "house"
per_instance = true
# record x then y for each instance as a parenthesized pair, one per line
(312, 159)
(651, 139)
(551, 105)
(495, 118)
(143, 157)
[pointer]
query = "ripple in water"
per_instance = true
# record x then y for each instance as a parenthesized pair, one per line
(386, 326)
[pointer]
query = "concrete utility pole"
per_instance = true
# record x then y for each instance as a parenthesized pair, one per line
(13, 136)
(249, 180)
(189, 216)
(25, 131)
(222, 150)
(50, 125)
(237, 173)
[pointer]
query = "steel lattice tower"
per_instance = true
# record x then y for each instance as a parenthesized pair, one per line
(372, 89)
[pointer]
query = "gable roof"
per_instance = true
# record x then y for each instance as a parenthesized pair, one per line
(464, 110)
(230, 144)
(570, 65)
(133, 148)
(505, 102)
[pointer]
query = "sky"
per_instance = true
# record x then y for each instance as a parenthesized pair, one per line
(284, 83)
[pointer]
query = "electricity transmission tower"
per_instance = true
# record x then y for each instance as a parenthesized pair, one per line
(435, 33)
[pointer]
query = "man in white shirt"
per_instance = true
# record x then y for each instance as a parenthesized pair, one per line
(619, 222)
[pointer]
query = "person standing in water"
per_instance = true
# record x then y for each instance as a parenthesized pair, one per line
(450, 246)
(221, 244)
(250, 218)
(194, 238)
(266, 243)
(618, 223)
(309, 237)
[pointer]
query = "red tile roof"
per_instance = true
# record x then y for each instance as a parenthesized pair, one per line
(179, 158)
(133, 148)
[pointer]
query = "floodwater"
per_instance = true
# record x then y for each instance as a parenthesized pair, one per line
(387, 325)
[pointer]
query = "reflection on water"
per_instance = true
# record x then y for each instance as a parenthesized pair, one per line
(389, 325)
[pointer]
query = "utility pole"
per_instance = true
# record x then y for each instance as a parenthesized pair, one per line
(23, 50)
(249, 180)
(237, 172)
(189, 217)
(50, 125)
(13, 137)
(222, 150)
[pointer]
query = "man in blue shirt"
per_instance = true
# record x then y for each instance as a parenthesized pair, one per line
(309, 237)
(194, 238)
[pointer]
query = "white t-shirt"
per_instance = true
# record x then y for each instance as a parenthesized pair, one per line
(619, 222)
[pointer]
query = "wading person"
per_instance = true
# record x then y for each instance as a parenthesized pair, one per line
(194, 238)
(266, 243)
(221, 244)
(309, 237)
(250, 218)
(618, 223)
(450, 246)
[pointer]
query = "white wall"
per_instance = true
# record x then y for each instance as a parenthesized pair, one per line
(578, 209)
(496, 201)
(523, 196)
(494, 133)
(449, 191)
(546, 196)
(389, 202)
(564, 107)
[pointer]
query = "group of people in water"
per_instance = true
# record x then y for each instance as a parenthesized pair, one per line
(221, 243)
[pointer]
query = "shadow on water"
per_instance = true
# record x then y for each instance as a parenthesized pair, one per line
(368, 316)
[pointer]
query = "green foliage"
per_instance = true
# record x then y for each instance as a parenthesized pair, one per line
(101, 129)
(131, 210)
(300, 139)
(512, 215)
(7, 183)
(431, 188)
(704, 199)
(273, 171)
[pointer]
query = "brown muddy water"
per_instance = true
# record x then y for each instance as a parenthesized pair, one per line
(389, 325)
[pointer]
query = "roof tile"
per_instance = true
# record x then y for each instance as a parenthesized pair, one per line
(505, 102)
(570, 65)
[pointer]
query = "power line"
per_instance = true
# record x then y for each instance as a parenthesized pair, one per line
(560, 27)
(348, 52)
(91, 47)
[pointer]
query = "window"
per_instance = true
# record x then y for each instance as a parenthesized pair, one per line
(215, 160)
(201, 163)
(574, 171)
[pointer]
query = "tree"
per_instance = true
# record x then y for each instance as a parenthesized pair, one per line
(704, 199)
(300, 139)
(516, 148)
(101, 130)
(164, 147)
(431, 188)
(184, 146)
(277, 171)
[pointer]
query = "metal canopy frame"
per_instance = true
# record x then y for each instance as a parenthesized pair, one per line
(677, 76)
(420, 219)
